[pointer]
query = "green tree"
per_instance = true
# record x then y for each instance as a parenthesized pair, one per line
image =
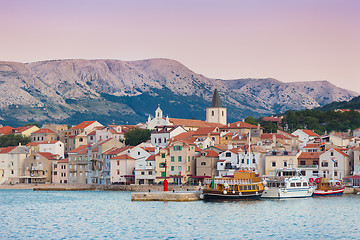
(251, 120)
(137, 136)
(33, 124)
(13, 140)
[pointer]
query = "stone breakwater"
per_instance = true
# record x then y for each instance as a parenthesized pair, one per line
(132, 188)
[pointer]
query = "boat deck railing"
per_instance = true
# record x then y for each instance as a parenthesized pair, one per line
(230, 182)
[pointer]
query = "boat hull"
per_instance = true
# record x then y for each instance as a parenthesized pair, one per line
(287, 193)
(329, 192)
(219, 195)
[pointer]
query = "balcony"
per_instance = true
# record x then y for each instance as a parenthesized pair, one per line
(309, 166)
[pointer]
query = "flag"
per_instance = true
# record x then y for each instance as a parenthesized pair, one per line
(333, 159)
(212, 185)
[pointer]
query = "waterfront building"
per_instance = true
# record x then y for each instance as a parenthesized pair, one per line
(99, 165)
(12, 164)
(275, 141)
(216, 113)
(145, 171)
(228, 161)
(78, 165)
(161, 158)
(252, 160)
(334, 163)
(356, 158)
(122, 169)
(206, 163)
(308, 163)
(60, 171)
(280, 159)
(38, 167)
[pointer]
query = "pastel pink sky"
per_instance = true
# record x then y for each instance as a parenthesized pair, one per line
(287, 40)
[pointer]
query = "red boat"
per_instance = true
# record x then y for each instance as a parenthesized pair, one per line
(327, 186)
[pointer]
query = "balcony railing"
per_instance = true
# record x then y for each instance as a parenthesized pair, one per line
(308, 166)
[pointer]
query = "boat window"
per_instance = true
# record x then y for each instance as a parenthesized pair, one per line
(245, 187)
(282, 184)
(240, 188)
(292, 184)
(253, 187)
(277, 184)
(298, 184)
(305, 184)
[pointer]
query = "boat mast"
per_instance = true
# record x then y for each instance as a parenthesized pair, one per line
(249, 146)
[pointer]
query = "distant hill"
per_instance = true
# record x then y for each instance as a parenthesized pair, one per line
(70, 91)
(353, 104)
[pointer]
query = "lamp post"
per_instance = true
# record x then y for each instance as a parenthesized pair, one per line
(165, 181)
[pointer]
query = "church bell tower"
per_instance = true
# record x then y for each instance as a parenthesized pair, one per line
(216, 113)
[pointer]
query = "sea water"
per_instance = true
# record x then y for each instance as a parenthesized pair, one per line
(27, 214)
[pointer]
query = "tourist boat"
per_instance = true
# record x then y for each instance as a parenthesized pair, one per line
(287, 183)
(244, 185)
(327, 186)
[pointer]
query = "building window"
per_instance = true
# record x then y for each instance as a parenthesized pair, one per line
(315, 162)
(159, 140)
(228, 154)
(188, 158)
(118, 172)
(254, 161)
(303, 173)
(172, 168)
(55, 165)
(142, 173)
(179, 158)
(222, 113)
(302, 162)
(335, 164)
(163, 174)
(324, 164)
(189, 168)
(150, 173)
(118, 162)
(172, 158)
(177, 148)
(335, 173)
(55, 173)
(81, 140)
(179, 168)
(331, 153)
(163, 155)
(273, 164)
(203, 163)
(212, 113)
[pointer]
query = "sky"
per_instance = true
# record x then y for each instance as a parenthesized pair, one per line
(297, 40)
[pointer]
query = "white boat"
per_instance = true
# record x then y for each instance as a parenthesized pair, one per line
(287, 183)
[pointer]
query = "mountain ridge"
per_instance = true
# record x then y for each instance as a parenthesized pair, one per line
(67, 90)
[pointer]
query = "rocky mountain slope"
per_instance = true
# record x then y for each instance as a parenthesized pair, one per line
(127, 91)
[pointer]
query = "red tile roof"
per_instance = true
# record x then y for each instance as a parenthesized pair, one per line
(151, 158)
(270, 136)
(48, 155)
(312, 145)
(239, 124)
(79, 149)
(204, 131)
(116, 150)
(272, 119)
(65, 160)
(6, 130)
(44, 130)
(183, 136)
(22, 129)
(83, 125)
(341, 152)
(193, 123)
(6, 149)
(211, 153)
(310, 133)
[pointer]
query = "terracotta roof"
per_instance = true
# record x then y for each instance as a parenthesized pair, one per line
(270, 136)
(22, 129)
(310, 133)
(6, 130)
(44, 130)
(149, 149)
(357, 129)
(164, 129)
(83, 125)
(312, 145)
(65, 160)
(309, 155)
(6, 149)
(272, 119)
(204, 130)
(151, 158)
(183, 136)
(193, 123)
(239, 124)
(92, 133)
(37, 143)
(341, 152)
(116, 150)
(197, 149)
(123, 157)
(79, 149)
(48, 155)
(211, 153)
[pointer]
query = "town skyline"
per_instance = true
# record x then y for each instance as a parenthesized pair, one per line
(297, 41)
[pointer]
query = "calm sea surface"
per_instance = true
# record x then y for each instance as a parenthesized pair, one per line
(26, 214)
